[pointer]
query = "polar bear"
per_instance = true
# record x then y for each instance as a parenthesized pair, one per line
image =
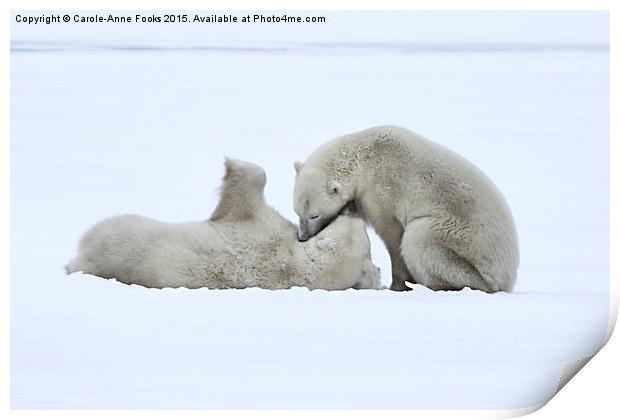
(444, 223)
(245, 243)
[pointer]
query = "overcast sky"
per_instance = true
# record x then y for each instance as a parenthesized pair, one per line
(442, 27)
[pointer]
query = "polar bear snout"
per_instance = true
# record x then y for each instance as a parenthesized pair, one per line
(311, 226)
(302, 231)
(316, 223)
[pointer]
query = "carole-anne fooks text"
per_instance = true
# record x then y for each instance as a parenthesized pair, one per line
(258, 18)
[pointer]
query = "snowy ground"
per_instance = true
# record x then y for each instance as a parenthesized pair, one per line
(98, 131)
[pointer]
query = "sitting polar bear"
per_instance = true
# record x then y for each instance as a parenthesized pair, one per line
(444, 223)
(245, 243)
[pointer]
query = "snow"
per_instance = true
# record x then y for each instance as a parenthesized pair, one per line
(102, 131)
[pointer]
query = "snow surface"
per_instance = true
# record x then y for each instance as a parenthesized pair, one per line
(99, 130)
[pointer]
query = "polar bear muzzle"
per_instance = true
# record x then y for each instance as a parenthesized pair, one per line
(313, 225)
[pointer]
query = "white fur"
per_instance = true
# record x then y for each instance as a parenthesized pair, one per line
(245, 243)
(444, 223)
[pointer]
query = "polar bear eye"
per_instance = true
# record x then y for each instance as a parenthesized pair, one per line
(314, 216)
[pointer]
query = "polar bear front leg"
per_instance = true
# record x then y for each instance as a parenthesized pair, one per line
(392, 234)
(400, 274)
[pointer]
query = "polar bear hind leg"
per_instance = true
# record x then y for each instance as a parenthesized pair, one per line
(436, 266)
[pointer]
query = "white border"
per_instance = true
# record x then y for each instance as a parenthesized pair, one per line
(591, 394)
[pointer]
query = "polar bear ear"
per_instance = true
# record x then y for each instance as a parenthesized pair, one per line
(334, 187)
(297, 164)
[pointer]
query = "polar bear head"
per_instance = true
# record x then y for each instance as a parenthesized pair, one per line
(319, 198)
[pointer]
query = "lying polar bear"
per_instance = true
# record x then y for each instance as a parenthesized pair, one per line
(245, 243)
